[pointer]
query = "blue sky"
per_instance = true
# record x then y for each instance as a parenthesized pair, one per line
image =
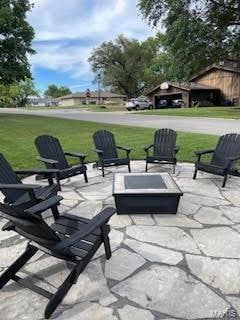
(67, 31)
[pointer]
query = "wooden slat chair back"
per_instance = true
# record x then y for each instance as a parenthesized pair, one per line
(164, 148)
(52, 154)
(224, 156)
(106, 148)
(164, 143)
(105, 141)
(228, 146)
(8, 176)
(49, 147)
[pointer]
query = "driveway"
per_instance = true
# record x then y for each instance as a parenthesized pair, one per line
(197, 125)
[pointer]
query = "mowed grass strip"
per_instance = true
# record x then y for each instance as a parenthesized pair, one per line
(17, 134)
(209, 112)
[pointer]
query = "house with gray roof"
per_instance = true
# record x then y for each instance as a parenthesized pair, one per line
(34, 101)
(81, 98)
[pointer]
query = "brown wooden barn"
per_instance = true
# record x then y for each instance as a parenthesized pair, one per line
(225, 76)
(218, 84)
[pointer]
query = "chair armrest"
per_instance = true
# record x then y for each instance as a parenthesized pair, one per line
(146, 148)
(47, 161)
(44, 205)
(79, 155)
(177, 148)
(76, 154)
(201, 152)
(127, 149)
(87, 229)
(98, 151)
(46, 172)
(234, 158)
(47, 192)
(8, 226)
(19, 186)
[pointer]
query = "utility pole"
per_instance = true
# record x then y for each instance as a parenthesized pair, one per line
(99, 92)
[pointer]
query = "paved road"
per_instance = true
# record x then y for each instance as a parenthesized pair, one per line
(198, 125)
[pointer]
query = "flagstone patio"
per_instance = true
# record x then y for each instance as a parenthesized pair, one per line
(162, 267)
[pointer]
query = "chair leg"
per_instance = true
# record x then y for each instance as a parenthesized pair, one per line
(17, 265)
(85, 176)
(224, 180)
(66, 286)
(106, 242)
(146, 169)
(129, 168)
(174, 168)
(103, 173)
(55, 212)
(195, 173)
(60, 294)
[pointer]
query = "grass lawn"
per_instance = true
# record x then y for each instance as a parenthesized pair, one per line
(210, 112)
(90, 107)
(17, 134)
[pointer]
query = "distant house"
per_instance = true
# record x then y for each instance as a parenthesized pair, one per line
(168, 93)
(218, 84)
(35, 101)
(80, 98)
(225, 76)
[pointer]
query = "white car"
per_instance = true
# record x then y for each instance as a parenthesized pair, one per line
(138, 104)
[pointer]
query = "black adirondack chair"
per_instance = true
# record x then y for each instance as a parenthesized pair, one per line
(52, 154)
(69, 238)
(164, 148)
(24, 195)
(106, 149)
(223, 157)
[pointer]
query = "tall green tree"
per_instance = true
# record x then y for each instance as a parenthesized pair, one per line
(55, 91)
(16, 37)
(16, 94)
(128, 66)
(197, 33)
(8, 93)
(26, 88)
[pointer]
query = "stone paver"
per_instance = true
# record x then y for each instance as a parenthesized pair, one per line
(154, 253)
(235, 301)
(169, 237)
(231, 213)
(143, 220)
(160, 287)
(233, 196)
(223, 274)
(122, 264)
(129, 312)
(184, 266)
(203, 187)
(87, 311)
(208, 215)
(187, 207)
(204, 200)
(177, 221)
(218, 242)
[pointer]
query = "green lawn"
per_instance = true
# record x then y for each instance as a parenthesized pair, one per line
(210, 112)
(90, 107)
(17, 134)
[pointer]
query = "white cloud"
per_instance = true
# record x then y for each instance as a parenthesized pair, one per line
(58, 57)
(68, 30)
(77, 19)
